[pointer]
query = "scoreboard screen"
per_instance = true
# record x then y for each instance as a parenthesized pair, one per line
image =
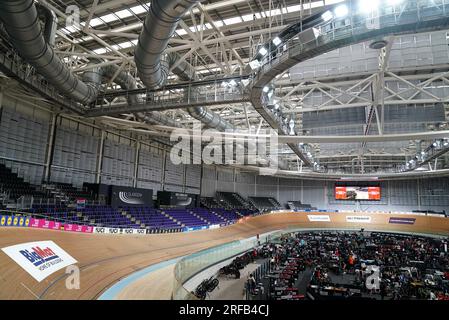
(357, 193)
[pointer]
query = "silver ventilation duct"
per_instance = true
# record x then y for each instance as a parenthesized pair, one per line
(127, 82)
(210, 119)
(21, 21)
(153, 65)
(157, 118)
(184, 70)
(93, 77)
(50, 23)
(159, 26)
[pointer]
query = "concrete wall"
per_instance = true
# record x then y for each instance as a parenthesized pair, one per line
(40, 146)
(401, 195)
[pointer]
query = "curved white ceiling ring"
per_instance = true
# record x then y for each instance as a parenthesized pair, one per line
(428, 135)
(349, 177)
(410, 21)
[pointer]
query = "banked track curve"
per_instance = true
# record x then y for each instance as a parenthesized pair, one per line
(105, 259)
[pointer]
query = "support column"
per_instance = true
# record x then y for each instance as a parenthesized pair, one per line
(164, 156)
(136, 163)
(234, 178)
(277, 191)
(1, 101)
(100, 158)
(50, 147)
(184, 178)
(201, 179)
(255, 186)
(326, 195)
(216, 179)
(418, 186)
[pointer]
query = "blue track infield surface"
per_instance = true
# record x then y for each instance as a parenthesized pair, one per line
(113, 291)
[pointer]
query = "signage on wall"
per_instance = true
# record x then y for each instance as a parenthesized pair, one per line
(14, 221)
(357, 193)
(105, 230)
(358, 219)
(39, 259)
(396, 220)
(81, 203)
(129, 197)
(176, 199)
(319, 218)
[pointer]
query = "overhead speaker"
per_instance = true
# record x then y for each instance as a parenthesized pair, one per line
(378, 44)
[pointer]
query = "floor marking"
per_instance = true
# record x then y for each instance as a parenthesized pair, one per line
(30, 291)
(90, 267)
(115, 290)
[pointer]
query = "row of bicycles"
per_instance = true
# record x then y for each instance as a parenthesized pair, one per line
(206, 287)
(239, 263)
(230, 270)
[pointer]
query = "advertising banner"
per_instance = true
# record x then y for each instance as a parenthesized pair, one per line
(131, 197)
(105, 230)
(196, 228)
(39, 259)
(319, 218)
(99, 230)
(52, 225)
(14, 221)
(140, 232)
(44, 224)
(81, 203)
(176, 199)
(396, 220)
(358, 219)
(78, 228)
(357, 193)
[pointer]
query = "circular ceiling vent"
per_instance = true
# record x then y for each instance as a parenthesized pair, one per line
(378, 44)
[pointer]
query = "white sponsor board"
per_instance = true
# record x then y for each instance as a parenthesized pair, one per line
(319, 218)
(105, 230)
(214, 226)
(39, 259)
(140, 231)
(358, 219)
(99, 230)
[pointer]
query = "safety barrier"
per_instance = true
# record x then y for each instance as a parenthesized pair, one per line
(193, 264)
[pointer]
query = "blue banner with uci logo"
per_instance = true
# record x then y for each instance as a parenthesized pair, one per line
(14, 221)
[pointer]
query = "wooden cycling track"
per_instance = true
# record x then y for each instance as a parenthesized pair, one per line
(105, 259)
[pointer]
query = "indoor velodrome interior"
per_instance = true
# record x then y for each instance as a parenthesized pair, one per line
(255, 151)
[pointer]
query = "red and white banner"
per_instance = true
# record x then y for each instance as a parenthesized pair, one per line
(52, 225)
(357, 193)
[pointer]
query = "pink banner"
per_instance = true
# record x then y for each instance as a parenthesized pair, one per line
(52, 225)
(78, 228)
(44, 224)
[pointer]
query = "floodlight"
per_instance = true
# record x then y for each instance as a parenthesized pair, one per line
(341, 11)
(327, 16)
(263, 51)
(277, 41)
(394, 2)
(368, 6)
